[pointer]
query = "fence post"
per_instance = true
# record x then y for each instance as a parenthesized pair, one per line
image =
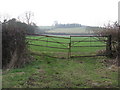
(69, 47)
(109, 46)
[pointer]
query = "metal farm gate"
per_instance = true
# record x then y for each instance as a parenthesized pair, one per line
(90, 46)
(69, 46)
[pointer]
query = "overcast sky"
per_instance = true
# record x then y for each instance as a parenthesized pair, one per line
(85, 12)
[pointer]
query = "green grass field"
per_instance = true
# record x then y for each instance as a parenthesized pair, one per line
(48, 72)
(69, 30)
(72, 30)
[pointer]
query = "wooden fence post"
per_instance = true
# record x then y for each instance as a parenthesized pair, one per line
(109, 46)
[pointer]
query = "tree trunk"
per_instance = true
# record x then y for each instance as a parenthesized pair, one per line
(13, 59)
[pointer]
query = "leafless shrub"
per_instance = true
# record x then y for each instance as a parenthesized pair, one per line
(114, 31)
(14, 45)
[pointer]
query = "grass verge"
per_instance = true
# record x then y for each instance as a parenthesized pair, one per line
(46, 72)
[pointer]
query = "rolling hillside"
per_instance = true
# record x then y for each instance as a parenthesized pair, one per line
(74, 30)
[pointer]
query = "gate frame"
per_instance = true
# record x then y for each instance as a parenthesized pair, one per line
(108, 46)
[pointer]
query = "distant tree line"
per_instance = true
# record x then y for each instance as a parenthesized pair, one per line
(67, 25)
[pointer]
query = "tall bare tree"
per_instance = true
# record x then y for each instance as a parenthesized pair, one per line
(28, 17)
